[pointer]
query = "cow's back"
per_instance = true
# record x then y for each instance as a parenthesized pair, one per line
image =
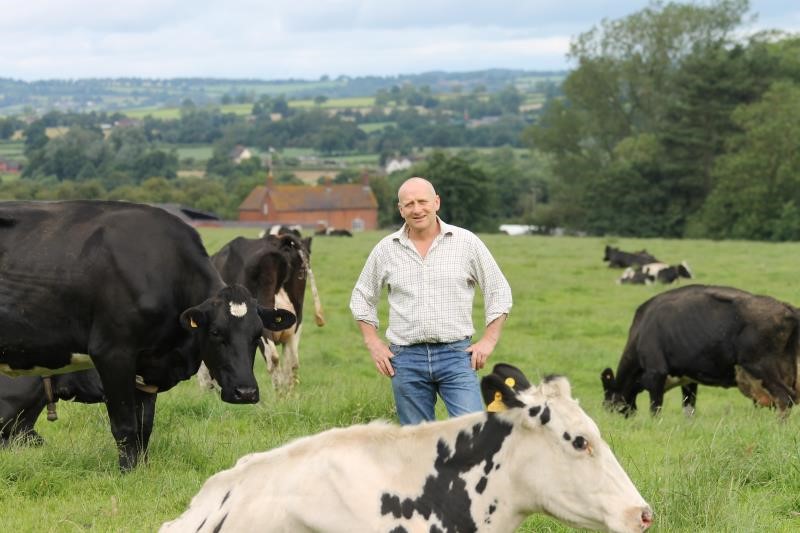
(87, 267)
(705, 330)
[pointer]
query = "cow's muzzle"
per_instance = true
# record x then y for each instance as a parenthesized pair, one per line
(240, 395)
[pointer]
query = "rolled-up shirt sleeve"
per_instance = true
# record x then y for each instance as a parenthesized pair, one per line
(367, 292)
(497, 299)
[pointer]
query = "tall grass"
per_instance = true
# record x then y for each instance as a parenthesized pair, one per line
(730, 468)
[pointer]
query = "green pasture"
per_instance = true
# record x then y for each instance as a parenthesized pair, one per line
(730, 468)
(12, 150)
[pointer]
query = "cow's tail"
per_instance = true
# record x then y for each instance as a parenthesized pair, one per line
(319, 319)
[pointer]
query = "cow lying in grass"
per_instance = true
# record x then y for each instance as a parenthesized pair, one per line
(536, 452)
(652, 272)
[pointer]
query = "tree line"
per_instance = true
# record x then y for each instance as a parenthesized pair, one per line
(672, 125)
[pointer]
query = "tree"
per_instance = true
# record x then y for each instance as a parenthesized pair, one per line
(757, 195)
(628, 87)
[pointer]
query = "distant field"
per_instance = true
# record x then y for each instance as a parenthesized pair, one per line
(13, 150)
(336, 103)
(375, 126)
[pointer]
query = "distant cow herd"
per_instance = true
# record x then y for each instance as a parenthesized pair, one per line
(167, 311)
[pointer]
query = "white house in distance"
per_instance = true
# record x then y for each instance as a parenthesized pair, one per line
(395, 164)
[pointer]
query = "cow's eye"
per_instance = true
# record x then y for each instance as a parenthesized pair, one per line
(214, 332)
(580, 443)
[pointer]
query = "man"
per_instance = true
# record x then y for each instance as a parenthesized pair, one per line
(430, 269)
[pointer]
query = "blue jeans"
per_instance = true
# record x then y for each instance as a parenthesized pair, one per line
(424, 370)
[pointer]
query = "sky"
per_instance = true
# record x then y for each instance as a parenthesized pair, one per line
(305, 39)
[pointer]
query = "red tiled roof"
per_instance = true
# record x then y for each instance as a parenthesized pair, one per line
(254, 200)
(311, 198)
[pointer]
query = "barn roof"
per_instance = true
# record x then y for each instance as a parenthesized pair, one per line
(326, 197)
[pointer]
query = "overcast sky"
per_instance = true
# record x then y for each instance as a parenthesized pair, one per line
(280, 39)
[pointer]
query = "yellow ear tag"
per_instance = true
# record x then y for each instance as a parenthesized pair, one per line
(510, 382)
(497, 404)
(192, 323)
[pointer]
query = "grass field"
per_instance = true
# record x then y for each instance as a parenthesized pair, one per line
(731, 468)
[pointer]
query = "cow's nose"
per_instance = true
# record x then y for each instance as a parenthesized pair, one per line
(246, 394)
(646, 518)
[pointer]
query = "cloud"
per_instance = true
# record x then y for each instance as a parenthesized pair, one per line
(302, 38)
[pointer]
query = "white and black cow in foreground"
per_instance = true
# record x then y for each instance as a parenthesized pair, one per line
(718, 336)
(275, 269)
(652, 272)
(539, 453)
(130, 290)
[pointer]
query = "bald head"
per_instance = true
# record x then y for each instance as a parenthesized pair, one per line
(414, 187)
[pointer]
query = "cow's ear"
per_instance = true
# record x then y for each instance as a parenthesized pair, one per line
(607, 378)
(556, 386)
(194, 318)
(276, 319)
(504, 370)
(498, 393)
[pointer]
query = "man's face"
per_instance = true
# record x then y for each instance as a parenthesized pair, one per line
(418, 205)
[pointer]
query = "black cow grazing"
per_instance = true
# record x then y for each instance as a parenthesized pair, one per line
(274, 268)
(133, 287)
(22, 400)
(652, 272)
(618, 259)
(334, 232)
(718, 336)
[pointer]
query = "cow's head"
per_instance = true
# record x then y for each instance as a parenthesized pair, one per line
(82, 386)
(561, 457)
(228, 327)
(613, 398)
(609, 252)
(684, 271)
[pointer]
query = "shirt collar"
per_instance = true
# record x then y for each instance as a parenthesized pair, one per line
(401, 234)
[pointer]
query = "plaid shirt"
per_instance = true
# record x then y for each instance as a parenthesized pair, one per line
(430, 299)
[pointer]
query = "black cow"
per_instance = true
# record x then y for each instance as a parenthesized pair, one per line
(618, 259)
(274, 268)
(133, 287)
(652, 272)
(712, 335)
(282, 229)
(334, 232)
(22, 400)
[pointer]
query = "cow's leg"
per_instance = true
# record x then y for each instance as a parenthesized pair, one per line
(145, 413)
(689, 392)
(654, 383)
(118, 373)
(291, 356)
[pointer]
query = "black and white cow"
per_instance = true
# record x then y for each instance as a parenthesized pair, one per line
(274, 268)
(130, 290)
(652, 272)
(618, 259)
(22, 400)
(537, 452)
(282, 229)
(713, 335)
